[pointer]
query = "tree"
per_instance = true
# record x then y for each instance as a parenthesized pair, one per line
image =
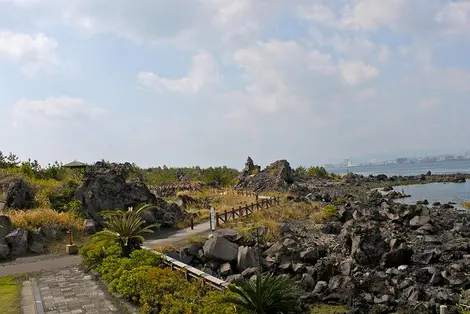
(12, 160)
(126, 228)
(265, 295)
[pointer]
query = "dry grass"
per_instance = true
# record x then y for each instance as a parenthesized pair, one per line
(45, 217)
(466, 204)
(163, 248)
(328, 309)
(274, 216)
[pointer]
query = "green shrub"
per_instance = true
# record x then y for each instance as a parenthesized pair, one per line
(94, 252)
(62, 197)
(317, 171)
(328, 211)
(339, 201)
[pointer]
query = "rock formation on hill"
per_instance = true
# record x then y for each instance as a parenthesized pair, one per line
(276, 177)
(106, 187)
(19, 193)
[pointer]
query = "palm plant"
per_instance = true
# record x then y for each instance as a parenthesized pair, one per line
(265, 294)
(126, 228)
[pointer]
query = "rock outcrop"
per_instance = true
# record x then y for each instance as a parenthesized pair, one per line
(19, 194)
(276, 177)
(105, 187)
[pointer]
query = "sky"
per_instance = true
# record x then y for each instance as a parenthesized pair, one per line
(210, 82)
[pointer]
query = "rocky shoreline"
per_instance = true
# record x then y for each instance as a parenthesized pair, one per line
(374, 255)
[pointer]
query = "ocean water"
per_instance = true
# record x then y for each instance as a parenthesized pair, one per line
(408, 170)
(433, 192)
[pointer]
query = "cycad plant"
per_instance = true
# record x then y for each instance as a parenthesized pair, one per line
(126, 228)
(265, 295)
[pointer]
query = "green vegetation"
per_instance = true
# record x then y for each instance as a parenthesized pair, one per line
(141, 279)
(273, 218)
(213, 176)
(315, 171)
(328, 309)
(265, 294)
(328, 211)
(10, 293)
(126, 228)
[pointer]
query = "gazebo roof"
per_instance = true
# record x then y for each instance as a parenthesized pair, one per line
(75, 163)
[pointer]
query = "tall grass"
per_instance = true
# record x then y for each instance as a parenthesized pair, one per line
(274, 216)
(45, 217)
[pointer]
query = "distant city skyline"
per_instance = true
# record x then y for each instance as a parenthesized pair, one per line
(402, 159)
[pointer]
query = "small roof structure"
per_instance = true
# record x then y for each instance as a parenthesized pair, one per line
(75, 164)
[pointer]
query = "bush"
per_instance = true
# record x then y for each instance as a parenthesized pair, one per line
(94, 252)
(157, 290)
(328, 211)
(317, 171)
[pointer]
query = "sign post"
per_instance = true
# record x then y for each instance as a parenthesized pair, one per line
(212, 220)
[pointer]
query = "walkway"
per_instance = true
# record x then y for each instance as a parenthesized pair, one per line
(69, 291)
(33, 265)
(165, 237)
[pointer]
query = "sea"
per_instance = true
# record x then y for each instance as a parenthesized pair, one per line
(433, 192)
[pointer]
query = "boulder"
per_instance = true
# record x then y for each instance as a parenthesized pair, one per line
(307, 282)
(246, 258)
(5, 226)
(18, 241)
(399, 256)
(90, 227)
(105, 187)
(368, 247)
(421, 220)
(35, 242)
(19, 194)
(50, 233)
(225, 269)
(276, 177)
(169, 214)
(311, 254)
(229, 234)
(4, 249)
(320, 287)
(219, 248)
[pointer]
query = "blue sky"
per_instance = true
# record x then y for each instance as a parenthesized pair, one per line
(209, 82)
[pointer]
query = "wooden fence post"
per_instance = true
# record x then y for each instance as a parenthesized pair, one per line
(226, 217)
(192, 223)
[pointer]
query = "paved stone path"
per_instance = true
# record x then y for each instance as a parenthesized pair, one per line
(69, 291)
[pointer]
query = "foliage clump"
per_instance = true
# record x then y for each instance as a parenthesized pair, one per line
(141, 279)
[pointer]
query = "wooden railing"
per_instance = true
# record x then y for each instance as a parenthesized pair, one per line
(191, 272)
(246, 210)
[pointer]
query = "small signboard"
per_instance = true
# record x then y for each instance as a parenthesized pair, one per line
(212, 218)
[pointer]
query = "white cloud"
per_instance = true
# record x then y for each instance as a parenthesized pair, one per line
(357, 72)
(36, 52)
(56, 108)
(372, 14)
(204, 72)
(455, 17)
